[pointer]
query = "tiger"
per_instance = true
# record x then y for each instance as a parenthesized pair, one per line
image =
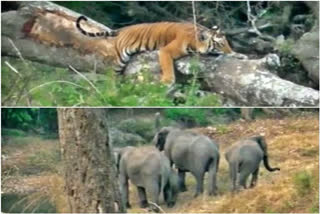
(173, 40)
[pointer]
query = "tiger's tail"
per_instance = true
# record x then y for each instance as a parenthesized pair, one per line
(98, 34)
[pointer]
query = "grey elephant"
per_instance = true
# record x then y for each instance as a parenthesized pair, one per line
(149, 170)
(190, 152)
(118, 152)
(244, 157)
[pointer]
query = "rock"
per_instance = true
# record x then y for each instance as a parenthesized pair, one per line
(307, 51)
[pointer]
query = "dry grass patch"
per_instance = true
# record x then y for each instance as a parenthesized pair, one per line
(293, 145)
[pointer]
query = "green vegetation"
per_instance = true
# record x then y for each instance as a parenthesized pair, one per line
(222, 129)
(58, 87)
(13, 132)
(35, 120)
(143, 128)
(303, 182)
(15, 203)
(188, 115)
(286, 47)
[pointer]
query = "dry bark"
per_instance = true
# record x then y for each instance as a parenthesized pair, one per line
(90, 176)
(247, 113)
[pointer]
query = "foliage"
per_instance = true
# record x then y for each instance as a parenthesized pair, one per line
(39, 120)
(286, 46)
(15, 203)
(12, 132)
(17, 117)
(57, 87)
(142, 127)
(194, 86)
(188, 115)
(303, 182)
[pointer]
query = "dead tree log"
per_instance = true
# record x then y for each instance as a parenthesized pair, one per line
(45, 32)
(247, 82)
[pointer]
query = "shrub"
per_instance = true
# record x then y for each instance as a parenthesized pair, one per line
(303, 182)
(51, 86)
(13, 132)
(142, 127)
(188, 116)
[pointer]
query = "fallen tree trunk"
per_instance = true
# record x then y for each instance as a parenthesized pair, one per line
(46, 33)
(247, 82)
(33, 31)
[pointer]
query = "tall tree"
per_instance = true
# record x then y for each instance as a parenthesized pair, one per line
(247, 113)
(90, 177)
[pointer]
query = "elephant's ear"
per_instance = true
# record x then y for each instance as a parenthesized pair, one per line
(261, 142)
(160, 138)
(155, 139)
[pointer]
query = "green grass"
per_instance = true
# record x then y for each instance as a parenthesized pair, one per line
(14, 203)
(13, 132)
(189, 115)
(303, 182)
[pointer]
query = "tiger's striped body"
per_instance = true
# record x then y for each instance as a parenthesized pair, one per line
(172, 39)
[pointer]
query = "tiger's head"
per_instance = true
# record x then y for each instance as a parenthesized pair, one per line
(215, 40)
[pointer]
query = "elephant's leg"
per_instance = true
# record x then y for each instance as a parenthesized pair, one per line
(244, 174)
(182, 180)
(254, 178)
(125, 190)
(153, 187)
(167, 194)
(212, 183)
(233, 168)
(143, 197)
(199, 178)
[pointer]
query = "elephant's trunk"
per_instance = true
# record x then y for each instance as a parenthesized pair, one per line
(266, 164)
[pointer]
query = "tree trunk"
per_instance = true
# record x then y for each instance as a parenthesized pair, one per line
(45, 32)
(247, 113)
(90, 175)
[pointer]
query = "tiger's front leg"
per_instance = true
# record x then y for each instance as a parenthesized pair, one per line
(167, 55)
(167, 69)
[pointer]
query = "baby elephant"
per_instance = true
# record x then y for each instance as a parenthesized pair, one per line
(245, 157)
(149, 170)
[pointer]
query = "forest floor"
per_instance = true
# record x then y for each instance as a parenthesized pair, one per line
(293, 144)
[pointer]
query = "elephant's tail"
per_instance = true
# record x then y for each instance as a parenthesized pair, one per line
(266, 164)
(213, 169)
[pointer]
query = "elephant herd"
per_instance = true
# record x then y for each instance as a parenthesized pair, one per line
(150, 168)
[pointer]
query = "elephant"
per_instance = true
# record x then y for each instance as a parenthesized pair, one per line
(190, 152)
(149, 170)
(244, 158)
(118, 152)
